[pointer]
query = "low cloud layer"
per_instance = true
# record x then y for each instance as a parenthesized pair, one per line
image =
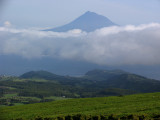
(117, 45)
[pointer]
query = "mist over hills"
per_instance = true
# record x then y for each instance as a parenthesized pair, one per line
(88, 22)
(16, 65)
(119, 47)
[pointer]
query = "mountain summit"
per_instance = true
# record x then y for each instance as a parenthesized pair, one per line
(88, 22)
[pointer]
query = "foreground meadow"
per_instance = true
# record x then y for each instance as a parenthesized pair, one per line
(140, 106)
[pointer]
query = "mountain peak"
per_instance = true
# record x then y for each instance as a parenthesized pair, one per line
(91, 15)
(89, 12)
(89, 21)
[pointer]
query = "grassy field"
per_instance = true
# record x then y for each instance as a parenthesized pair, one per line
(13, 99)
(10, 95)
(141, 105)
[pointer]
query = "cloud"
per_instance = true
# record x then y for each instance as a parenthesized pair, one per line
(117, 45)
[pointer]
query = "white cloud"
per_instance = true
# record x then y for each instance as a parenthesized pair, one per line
(116, 45)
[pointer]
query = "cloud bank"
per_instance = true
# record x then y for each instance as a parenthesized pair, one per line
(117, 45)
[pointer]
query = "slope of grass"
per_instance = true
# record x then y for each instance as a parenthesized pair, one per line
(147, 105)
(10, 95)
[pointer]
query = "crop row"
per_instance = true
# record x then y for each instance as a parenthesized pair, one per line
(98, 117)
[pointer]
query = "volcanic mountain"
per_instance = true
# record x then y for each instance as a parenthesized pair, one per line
(88, 22)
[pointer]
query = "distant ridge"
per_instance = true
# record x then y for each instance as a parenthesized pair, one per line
(88, 22)
(105, 79)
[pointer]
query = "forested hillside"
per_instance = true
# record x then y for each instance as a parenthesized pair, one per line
(43, 86)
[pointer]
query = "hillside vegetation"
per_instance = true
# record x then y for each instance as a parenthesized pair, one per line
(137, 107)
(43, 86)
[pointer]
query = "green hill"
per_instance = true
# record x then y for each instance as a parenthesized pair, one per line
(135, 83)
(100, 75)
(123, 80)
(41, 74)
(43, 86)
(137, 107)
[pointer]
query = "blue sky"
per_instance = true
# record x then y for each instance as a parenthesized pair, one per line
(52, 13)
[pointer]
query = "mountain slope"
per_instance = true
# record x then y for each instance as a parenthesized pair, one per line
(101, 80)
(131, 107)
(135, 83)
(41, 74)
(88, 22)
(45, 86)
(123, 80)
(101, 75)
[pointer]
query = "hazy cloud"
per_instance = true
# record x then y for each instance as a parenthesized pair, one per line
(111, 45)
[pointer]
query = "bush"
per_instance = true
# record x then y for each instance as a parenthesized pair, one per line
(79, 117)
(19, 119)
(39, 118)
(60, 118)
(68, 117)
(104, 117)
(112, 117)
(96, 117)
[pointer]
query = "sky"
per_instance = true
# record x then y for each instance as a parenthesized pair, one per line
(135, 42)
(53, 13)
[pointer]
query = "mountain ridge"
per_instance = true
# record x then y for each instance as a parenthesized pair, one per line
(45, 86)
(102, 79)
(88, 22)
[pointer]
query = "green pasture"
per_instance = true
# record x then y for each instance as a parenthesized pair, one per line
(147, 105)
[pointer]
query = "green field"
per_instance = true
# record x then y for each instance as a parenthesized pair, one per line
(10, 95)
(140, 107)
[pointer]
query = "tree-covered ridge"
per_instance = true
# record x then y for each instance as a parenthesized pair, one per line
(41, 74)
(42, 86)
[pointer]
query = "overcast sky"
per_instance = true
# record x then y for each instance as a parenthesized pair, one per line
(51, 13)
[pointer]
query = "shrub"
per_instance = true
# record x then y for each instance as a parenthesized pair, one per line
(68, 117)
(78, 117)
(60, 118)
(39, 118)
(96, 117)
